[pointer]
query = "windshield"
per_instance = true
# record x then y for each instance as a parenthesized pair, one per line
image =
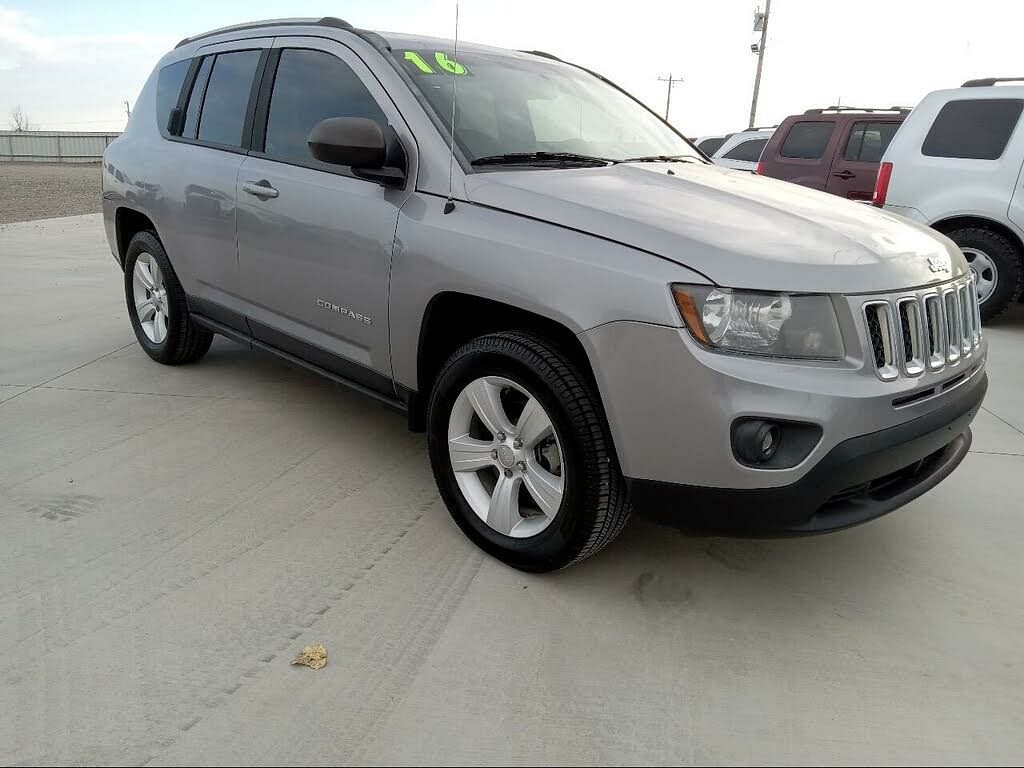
(511, 104)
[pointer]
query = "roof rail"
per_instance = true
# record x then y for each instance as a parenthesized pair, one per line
(986, 81)
(837, 108)
(326, 21)
(545, 54)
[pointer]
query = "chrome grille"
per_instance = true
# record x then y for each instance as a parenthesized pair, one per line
(966, 318)
(934, 328)
(880, 331)
(912, 333)
(923, 330)
(951, 306)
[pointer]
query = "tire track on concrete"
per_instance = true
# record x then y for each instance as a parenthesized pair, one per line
(375, 647)
(288, 637)
(183, 522)
(205, 674)
(119, 600)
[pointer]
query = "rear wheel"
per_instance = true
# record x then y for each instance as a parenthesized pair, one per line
(996, 263)
(522, 455)
(157, 305)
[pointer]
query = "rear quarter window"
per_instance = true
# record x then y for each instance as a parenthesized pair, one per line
(807, 140)
(710, 146)
(168, 88)
(747, 151)
(973, 129)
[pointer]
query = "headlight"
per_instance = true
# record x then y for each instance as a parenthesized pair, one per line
(774, 324)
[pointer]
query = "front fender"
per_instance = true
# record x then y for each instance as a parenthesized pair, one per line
(577, 280)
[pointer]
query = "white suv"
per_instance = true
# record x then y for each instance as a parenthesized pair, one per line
(742, 150)
(955, 164)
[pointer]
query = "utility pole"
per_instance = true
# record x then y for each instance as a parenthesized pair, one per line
(672, 82)
(760, 20)
(127, 109)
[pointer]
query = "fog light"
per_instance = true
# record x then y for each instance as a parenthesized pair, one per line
(769, 443)
(756, 441)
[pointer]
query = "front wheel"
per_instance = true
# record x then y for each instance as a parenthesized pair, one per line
(522, 454)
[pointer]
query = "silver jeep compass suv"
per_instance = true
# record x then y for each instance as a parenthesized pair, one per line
(583, 314)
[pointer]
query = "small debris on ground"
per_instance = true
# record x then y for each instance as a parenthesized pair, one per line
(313, 656)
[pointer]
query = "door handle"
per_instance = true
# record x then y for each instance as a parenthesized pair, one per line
(259, 188)
(844, 175)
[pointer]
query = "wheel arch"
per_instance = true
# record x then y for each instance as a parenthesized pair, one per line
(953, 223)
(128, 222)
(452, 318)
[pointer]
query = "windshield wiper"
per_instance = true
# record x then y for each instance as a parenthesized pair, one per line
(661, 159)
(541, 158)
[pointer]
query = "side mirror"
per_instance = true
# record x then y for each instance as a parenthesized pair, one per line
(358, 143)
(353, 141)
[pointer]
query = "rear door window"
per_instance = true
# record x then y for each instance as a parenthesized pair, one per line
(807, 140)
(710, 146)
(227, 98)
(311, 86)
(168, 88)
(868, 141)
(973, 129)
(747, 151)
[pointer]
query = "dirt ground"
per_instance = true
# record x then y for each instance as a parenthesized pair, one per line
(45, 190)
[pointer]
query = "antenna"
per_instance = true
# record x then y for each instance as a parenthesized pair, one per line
(449, 206)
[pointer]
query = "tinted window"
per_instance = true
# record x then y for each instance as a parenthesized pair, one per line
(311, 86)
(807, 141)
(195, 99)
(710, 146)
(168, 87)
(868, 141)
(975, 129)
(227, 97)
(747, 151)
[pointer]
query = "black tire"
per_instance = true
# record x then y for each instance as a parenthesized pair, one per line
(595, 504)
(185, 342)
(1007, 259)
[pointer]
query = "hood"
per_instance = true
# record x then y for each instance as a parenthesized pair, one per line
(738, 229)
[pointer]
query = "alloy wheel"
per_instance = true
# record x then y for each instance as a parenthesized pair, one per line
(150, 295)
(506, 456)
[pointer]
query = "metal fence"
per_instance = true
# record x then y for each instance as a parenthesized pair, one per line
(54, 146)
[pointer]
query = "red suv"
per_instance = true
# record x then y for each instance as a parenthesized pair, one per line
(835, 149)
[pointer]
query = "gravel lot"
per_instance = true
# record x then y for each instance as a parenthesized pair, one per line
(171, 537)
(31, 191)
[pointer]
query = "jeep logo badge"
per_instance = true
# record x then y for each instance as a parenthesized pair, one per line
(938, 264)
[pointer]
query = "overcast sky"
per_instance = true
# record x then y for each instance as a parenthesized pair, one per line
(71, 65)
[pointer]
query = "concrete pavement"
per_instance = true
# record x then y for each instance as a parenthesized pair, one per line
(171, 537)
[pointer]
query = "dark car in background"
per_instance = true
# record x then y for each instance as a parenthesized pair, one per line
(834, 149)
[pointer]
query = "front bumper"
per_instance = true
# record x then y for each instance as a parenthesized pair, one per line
(671, 404)
(858, 480)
